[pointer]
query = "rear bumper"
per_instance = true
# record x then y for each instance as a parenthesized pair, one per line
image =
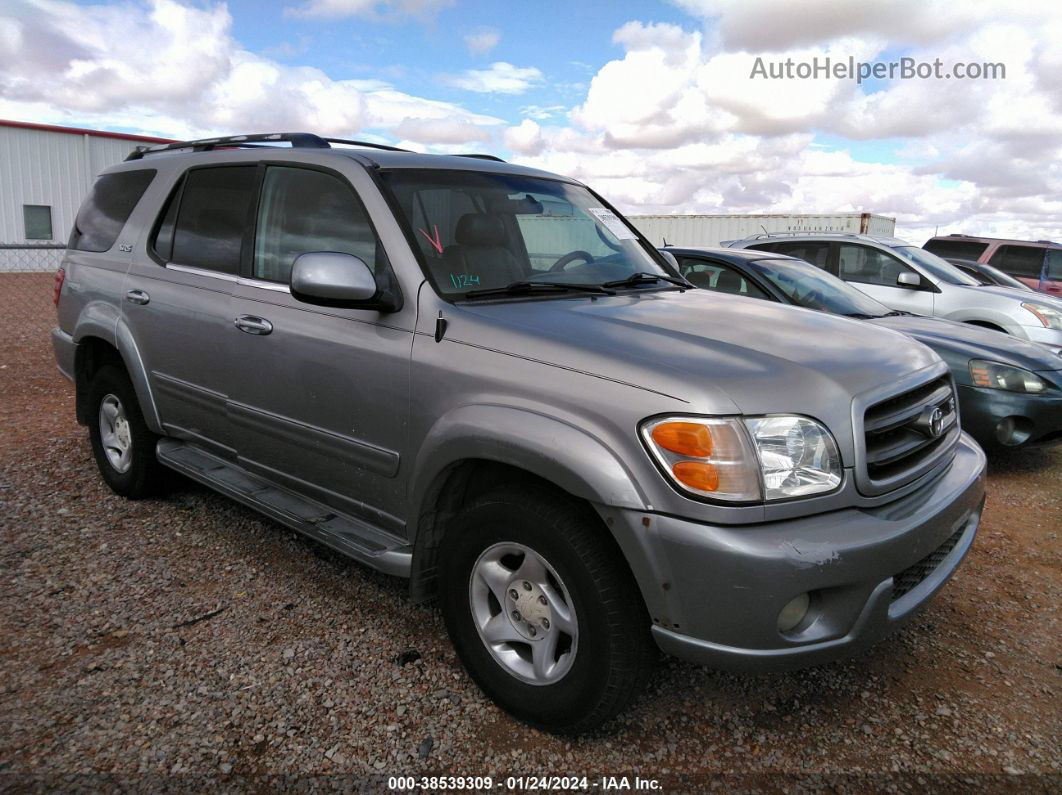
(65, 352)
(997, 418)
(727, 585)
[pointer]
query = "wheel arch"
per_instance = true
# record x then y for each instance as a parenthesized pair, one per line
(477, 449)
(99, 344)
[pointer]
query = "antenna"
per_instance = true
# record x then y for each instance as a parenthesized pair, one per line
(764, 228)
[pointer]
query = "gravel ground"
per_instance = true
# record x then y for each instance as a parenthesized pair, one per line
(185, 641)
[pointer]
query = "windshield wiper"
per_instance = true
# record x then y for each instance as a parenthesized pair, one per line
(897, 313)
(642, 277)
(532, 287)
(862, 315)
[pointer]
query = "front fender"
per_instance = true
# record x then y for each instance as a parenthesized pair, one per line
(986, 316)
(572, 458)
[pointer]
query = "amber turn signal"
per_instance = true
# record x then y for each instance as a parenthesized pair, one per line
(697, 475)
(685, 438)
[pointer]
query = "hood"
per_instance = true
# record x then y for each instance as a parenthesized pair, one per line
(719, 353)
(960, 342)
(1020, 295)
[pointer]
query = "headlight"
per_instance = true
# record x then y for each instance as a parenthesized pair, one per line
(798, 456)
(1047, 315)
(1001, 376)
(771, 458)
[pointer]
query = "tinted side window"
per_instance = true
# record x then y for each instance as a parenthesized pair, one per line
(956, 249)
(107, 208)
(1019, 260)
(867, 265)
(303, 210)
(719, 278)
(212, 217)
(817, 253)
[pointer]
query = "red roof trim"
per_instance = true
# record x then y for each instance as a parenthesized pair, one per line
(27, 125)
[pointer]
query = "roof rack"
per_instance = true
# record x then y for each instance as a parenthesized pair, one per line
(297, 140)
(806, 233)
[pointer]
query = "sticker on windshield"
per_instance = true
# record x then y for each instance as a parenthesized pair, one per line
(612, 223)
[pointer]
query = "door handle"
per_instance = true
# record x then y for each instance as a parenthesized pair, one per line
(137, 297)
(253, 324)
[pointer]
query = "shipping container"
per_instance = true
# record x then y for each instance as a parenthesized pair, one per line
(711, 230)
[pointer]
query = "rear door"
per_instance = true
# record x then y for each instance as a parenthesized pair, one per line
(177, 298)
(320, 395)
(876, 273)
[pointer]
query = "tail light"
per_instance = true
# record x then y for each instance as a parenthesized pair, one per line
(60, 276)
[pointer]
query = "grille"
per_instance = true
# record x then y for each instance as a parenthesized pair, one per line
(909, 579)
(899, 431)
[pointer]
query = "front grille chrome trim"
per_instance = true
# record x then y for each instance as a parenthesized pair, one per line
(894, 445)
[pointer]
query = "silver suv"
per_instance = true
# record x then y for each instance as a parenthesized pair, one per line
(910, 279)
(480, 377)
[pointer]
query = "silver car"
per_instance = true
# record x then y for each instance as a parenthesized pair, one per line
(479, 377)
(911, 279)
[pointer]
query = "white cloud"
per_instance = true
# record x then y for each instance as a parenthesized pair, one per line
(499, 78)
(176, 70)
(676, 123)
(373, 9)
(542, 112)
(482, 40)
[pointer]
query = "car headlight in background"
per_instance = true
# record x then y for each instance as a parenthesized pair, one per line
(1047, 315)
(1002, 376)
(772, 458)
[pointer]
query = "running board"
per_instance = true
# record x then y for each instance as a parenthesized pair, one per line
(345, 534)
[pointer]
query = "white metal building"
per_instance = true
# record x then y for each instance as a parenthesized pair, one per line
(46, 171)
(710, 230)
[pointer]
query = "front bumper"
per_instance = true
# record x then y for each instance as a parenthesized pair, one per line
(997, 418)
(725, 586)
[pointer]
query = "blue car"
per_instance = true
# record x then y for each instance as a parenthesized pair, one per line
(1010, 390)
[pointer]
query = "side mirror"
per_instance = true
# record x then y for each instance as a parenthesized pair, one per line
(327, 278)
(908, 279)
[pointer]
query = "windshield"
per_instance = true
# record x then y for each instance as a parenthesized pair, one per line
(813, 288)
(940, 268)
(480, 231)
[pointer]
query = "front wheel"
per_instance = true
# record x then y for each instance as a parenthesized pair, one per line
(542, 609)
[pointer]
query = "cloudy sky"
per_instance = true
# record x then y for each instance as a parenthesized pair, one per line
(653, 103)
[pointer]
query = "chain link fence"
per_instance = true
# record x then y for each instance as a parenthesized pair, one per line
(27, 279)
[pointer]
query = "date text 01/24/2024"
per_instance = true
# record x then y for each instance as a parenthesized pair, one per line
(530, 783)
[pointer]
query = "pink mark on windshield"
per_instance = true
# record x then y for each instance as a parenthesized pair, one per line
(436, 242)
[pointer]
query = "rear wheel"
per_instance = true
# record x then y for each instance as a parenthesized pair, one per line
(543, 610)
(122, 444)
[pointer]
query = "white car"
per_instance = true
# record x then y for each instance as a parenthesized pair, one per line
(910, 279)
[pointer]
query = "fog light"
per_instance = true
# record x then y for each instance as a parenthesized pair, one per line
(793, 613)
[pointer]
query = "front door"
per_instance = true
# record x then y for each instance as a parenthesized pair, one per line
(320, 396)
(877, 273)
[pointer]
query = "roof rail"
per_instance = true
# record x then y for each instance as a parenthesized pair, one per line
(477, 156)
(298, 140)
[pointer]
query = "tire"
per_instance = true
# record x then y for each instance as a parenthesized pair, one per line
(122, 444)
(601, 660)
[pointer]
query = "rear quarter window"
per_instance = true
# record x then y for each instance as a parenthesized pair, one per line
(1026, 261)
(107, 208)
